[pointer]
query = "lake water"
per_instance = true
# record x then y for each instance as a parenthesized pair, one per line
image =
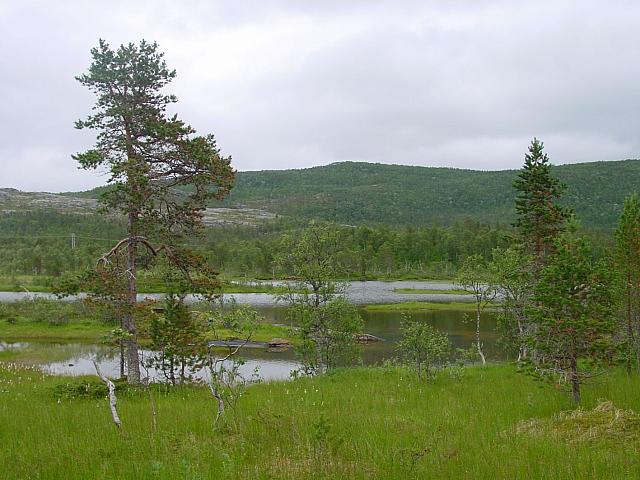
(358, 293)
(77, 358)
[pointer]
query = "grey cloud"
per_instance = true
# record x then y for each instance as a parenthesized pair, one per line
(290, 84)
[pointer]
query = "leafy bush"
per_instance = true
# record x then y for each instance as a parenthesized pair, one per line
(423, 347)
(80, 388)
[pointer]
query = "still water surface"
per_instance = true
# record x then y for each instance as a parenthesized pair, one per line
(76, 359)
(358, 293)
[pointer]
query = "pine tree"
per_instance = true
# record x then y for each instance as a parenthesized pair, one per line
(162, 174)
(540, 218)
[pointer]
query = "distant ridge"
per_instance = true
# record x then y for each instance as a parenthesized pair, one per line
(371, 193)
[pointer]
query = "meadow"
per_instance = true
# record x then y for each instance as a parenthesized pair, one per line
(470, 423)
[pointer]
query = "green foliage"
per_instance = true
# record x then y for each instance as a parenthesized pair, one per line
(312, 257)
(423, 347)
(367, 194)
(226, 383)
(39, 241)
(241, 320)
(574, 312)
(328, 334)
(149, 155)
(627, 256)
(328, 324)
(80, 388)
(512, 275)
(539, 217)
(147, 152)
(476, 276)
(177, 341)
(358, 193)
(50, 312)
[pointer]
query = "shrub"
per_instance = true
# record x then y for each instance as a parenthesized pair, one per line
(423, 347)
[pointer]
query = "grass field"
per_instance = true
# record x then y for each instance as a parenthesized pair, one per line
(34, 283)
(93, 331)
(53, 320)
(360, 423)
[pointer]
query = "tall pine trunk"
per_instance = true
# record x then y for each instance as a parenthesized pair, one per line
(131, 342)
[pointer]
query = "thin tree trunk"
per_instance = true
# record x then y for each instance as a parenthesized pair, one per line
(478, 344)
(522, 348)
(131, 342)
(575, 381)
(122, 357)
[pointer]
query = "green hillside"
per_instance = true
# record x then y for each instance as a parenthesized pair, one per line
(368, 193)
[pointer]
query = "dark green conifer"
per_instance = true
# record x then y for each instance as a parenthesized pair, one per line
(540, 217)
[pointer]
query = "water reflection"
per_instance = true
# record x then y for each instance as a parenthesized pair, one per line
(76, 359)
(358, 293)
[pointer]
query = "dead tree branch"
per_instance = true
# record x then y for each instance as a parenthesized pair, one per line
(112, 395)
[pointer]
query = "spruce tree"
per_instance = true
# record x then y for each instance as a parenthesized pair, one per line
(540, 217)
(574, 310)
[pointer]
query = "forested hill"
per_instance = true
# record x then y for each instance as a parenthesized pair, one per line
(368, 193)
(360, 193)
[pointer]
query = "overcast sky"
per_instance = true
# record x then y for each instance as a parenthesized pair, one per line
(289, 84)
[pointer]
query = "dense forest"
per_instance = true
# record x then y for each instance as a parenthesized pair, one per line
(357, 193)
(39, 243)
(396, 221)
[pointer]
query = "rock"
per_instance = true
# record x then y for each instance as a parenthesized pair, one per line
(278, 343)
(367, 338)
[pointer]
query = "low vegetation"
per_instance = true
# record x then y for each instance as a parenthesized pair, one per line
(53, 320)
(421, 306)
(419, 291)
(464, 424)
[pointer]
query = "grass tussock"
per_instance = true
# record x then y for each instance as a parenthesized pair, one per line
(601, 423)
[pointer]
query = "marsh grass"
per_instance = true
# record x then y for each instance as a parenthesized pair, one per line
(44, 319)
(452, 291)
(149, 283)
(357, 423)
(422, 306)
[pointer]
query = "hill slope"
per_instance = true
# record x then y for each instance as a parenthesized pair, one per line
(360, 193)
(84, 203)
(368, 193)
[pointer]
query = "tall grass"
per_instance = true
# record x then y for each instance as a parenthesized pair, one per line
(359, 423)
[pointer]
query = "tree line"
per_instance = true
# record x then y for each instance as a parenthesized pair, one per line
(39, 243)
